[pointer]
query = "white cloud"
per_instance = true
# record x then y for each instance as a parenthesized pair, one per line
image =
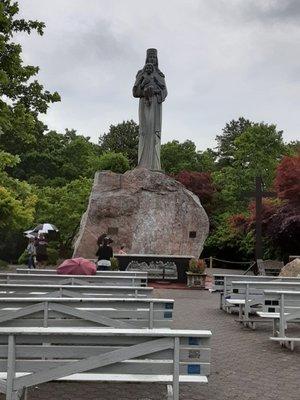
(222, 59)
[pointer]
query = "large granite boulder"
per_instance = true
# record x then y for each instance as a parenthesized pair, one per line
(291, 269)
(146, 211)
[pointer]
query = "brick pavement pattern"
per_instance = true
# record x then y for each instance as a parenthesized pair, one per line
(246, 365)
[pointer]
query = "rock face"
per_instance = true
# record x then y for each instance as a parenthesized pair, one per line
(146, 211)
(291, 269)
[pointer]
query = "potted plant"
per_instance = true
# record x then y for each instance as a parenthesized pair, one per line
(114, 264)
(196, 273)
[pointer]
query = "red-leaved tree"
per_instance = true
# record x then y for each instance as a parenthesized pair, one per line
(280, 217)
(287, 181)
(200, 183)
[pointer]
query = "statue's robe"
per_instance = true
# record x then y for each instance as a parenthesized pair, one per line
(150, 119)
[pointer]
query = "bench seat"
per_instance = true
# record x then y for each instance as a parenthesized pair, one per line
(130, 378)
(235, 301)
(285, 339)
(264, 314)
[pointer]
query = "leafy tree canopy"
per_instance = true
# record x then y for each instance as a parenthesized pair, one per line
(287, 180)
(176, 157)
(17, 201)
(122, 138)
(115, 162)
(58, 158)
(226, 142)
(22, 97)
(200, 183)
(256, 152)
(63, 206)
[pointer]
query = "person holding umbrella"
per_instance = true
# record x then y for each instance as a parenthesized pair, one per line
(31, 251)
(41, 251)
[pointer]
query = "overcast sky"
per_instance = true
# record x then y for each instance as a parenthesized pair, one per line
(222, 59)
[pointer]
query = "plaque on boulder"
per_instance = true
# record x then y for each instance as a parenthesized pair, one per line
(153, 212)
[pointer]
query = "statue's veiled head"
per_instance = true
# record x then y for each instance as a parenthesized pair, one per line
(151, 57)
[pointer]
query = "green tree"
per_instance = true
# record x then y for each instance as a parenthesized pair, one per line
(115, 162)
(17, 201)
(63, 206)
(58, 158)
(17, 207)
(256, 152)
(226, 142)
(122, 138)
(176, 157)
(22, 97)
(207, 161)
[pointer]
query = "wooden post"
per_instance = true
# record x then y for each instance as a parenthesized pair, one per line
(11, 360)
(46, 310)
(258, 218)
(258, 194)
(282, 318)
(151, 315)
(176, 369)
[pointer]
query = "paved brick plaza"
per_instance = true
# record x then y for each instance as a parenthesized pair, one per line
(245, 364)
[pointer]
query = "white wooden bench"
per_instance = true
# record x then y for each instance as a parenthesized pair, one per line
(138, 274)
(249, 296)
(32, 356)
(86, 312)
(223, 284)
(283, 307)
(73, 279)
(35, 290)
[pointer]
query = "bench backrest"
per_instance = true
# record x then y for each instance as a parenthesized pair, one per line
(35, 290)
(48, 354)
(282, 301)
(250, 289)
(73, 279)
(222, 282)
(89, 312)
(138, 274)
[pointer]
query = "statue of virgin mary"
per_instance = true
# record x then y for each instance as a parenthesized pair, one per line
(150, 88)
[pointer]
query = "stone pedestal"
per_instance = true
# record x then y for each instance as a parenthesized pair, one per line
(196, 280)
(146, 211)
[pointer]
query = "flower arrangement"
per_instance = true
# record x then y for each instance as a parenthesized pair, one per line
(197, 266)
(114, 264)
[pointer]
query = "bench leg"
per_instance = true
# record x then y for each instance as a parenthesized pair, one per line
(221, 301)
(17, 395)
(289, 345)
(252, 325)
(240, 311)
(275, 327)
(169, 392)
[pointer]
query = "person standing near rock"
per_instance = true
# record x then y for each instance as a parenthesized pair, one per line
(150, 87)
(104, 254)
(31, 251)
(122, 250)
(41, 251)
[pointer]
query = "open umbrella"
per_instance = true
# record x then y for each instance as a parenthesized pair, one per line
(77, 266)
(45, 228)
